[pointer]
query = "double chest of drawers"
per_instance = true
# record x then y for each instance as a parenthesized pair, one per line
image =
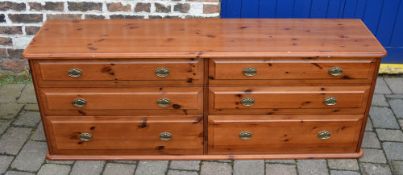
(204, 88)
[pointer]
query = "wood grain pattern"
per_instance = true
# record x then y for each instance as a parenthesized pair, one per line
(205, 58)
(122, 101)
(290, 69)
(288, 100)
(184, 70)
(206, 38)
(207, 157)
(116, 135)
(283, 134)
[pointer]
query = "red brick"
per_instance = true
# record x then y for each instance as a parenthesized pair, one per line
(125, 17)
(25, 18)
(15, 65)
(6, 41)
(207, 8)
(31, 30)
(3, 53)
(15, 53)
(52, 6)
(63, 16)
(182, 7)
(84, 6)
(161, 8)
(8, 5)
(94, 17)
(10, 30)
(117, 6)
(142, 7)
(36, 6)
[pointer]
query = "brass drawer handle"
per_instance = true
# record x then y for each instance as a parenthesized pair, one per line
(85, 137)
(162, 72)
(74, 73)
(324, 135)
(245, 135)
(335, 71)
(247, 102)
(249, 71)
(79, 102)
(330, 101)
(163, 102)
(165, 136)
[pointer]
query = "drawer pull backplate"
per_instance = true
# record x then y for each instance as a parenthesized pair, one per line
(162, 72)
(165, 136)
(79, 102)
(245, 135)
(249, 71)
(324, 135)
(74, 73)
(330, 101)
(335, 71)
(247, 102)
(85, 137)
(163, 102)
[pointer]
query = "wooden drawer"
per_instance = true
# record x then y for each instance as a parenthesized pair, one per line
(323, 70)
(283, 134)
(111, 135)
(94, 72)
(122, 101)
(289, 100)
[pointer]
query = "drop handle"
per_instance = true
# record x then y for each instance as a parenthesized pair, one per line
(163, 102)
(249, 72)
(335, 71)
(247, 102)
(245, 135)
(165, 136)
(74, 72)
(85, 137)
(330, 101)
(162, 72)
(79, 102)
(324, 135)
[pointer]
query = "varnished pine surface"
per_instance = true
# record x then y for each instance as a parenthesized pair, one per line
(206, 157)
(279, 134)
(231, 41)
(176, 38)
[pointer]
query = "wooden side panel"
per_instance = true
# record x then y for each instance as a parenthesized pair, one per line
(289, 100)
(283, 134)
(126, 135)
(122, 101)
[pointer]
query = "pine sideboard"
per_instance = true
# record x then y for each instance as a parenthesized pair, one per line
(204, 88)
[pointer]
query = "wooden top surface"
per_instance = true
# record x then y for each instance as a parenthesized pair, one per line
(205, 38)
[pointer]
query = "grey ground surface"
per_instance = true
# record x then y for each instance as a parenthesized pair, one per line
(23, 145)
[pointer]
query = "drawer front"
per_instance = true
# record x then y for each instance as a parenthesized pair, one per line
(288, 100)
(183, 70)
(122, 101)
(283, 134)
(291, 69)
(108, 135)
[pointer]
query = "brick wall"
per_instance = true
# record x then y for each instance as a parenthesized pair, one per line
(21, 19)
